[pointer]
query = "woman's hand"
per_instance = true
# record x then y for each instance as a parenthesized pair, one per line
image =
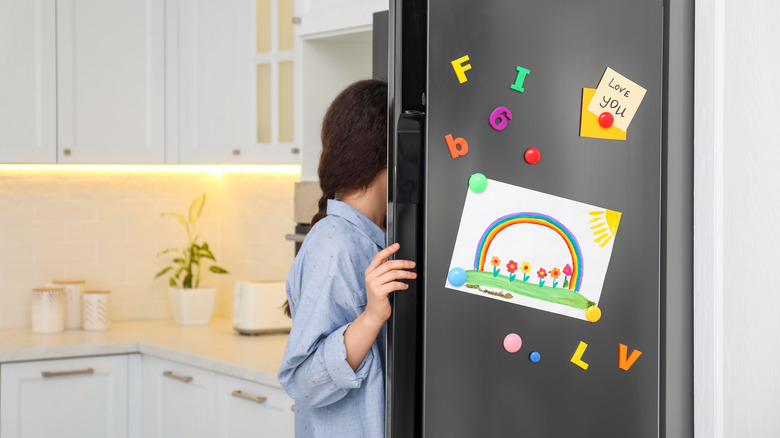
(382, 278)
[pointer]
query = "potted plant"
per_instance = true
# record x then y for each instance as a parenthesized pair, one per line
(190, 303)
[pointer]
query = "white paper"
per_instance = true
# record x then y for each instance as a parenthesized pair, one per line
(540, 244)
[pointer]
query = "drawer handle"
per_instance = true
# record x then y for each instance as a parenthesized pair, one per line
(238, 393)
(170, 374)
(66, 373)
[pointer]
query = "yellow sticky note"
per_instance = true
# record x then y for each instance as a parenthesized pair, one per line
(589, 123)
(619, 96)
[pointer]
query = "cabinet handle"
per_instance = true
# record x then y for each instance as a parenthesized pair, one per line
(66, 373)
(66, 152)
(170, 374)
(236, 151)
(238, 393)
(296, 20)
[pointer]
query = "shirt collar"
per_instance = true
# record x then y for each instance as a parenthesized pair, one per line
(352, 215)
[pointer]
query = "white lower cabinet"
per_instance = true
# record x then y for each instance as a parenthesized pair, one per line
(249, 409)
(184, 401)
(178, 400)
(79, 398)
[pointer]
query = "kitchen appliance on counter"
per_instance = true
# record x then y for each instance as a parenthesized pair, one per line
(257, 308)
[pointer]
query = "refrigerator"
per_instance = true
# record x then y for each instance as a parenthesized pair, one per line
(529, 178)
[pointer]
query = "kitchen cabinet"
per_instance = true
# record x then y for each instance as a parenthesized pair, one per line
(178, 400)
(320, 18)
(82, 397)
(110, 81)
(28, 121)
(333, 50)
(211, 52)
(127, 82)
(250, 409)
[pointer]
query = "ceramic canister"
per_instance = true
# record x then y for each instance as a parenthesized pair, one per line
(74, 289)
(48, 309)
(96, 315)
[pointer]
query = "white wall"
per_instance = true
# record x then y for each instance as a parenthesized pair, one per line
(104, 226)
(737, 187)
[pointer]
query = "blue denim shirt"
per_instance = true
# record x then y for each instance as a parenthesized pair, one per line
(327, 291)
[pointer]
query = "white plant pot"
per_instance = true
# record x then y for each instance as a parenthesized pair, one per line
(192, 306)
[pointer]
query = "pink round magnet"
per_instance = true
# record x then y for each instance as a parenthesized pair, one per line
(606, 120)
(532, 155)
(512, 343)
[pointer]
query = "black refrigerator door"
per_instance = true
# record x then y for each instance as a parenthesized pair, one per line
(470, 386)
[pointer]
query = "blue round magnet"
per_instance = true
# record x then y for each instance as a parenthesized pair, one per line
(535, 356)
(457, 276)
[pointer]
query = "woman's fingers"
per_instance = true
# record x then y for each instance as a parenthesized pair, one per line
(381, 256)
(396, 275)
(391, 265)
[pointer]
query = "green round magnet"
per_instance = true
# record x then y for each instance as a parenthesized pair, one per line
(478, 182)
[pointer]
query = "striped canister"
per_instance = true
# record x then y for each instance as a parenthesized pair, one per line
(95, 310)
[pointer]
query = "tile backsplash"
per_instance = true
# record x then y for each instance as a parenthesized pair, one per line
(104, 225)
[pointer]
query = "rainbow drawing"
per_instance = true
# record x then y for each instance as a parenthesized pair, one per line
(544, 220)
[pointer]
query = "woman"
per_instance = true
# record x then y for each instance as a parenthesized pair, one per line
(338, 286)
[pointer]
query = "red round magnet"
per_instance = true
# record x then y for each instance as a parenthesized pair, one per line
(606, 120)
(532, 155)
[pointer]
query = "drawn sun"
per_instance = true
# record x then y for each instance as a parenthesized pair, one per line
(605, 225)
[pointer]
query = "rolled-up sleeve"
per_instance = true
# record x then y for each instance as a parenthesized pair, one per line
(314, 369)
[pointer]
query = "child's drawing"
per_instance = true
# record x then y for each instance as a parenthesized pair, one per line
(533, 249)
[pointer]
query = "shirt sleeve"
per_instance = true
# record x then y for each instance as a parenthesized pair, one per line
(314, 369)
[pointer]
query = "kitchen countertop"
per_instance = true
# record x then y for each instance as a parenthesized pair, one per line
(215, 346)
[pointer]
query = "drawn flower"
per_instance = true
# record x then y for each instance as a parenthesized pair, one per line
(525, 269)
(511, 267)
(495, 261)
(566, 273)
(541, 273)
(555, 273)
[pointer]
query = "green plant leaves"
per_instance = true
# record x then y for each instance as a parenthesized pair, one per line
(217, 270)
(185, 269)
(163, 271)
(196, 207)
(179, 217)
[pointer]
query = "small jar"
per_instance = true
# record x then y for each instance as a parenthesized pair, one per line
(96, 314)
(74, 289)
(48, 309)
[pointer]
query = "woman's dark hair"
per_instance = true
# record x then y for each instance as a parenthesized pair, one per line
(354, 143)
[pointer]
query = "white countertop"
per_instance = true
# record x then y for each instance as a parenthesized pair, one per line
(215, 347)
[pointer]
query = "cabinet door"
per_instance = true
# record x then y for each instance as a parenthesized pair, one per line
(110, 81)
(27, 82)
(250, 409)
(79, 398)
(178, 400)
(215, 77)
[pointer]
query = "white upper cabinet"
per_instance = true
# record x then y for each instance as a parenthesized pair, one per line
(28, 121)
(213, 69)
(110, 81)
(333, 17)
(334, 49)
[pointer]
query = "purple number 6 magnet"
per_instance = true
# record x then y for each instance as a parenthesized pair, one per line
(500, 117)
